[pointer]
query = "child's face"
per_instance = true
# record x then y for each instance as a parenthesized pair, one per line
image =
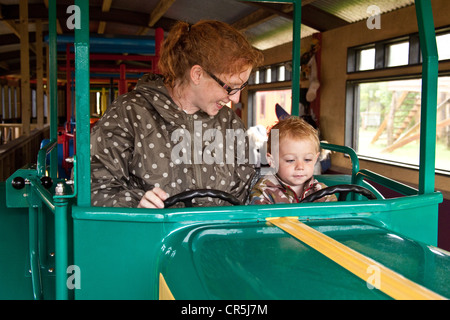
(295, 162)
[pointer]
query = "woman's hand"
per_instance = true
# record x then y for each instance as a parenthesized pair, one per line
(153, 198)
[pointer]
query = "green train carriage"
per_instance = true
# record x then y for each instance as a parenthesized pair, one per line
(55, 245)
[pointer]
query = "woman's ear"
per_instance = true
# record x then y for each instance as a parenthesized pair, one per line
(196, 74)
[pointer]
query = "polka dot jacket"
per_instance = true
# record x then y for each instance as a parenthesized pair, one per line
(144, 140)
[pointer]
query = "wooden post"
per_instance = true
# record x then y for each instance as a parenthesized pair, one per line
(447, 129)
(6, 101)
(1, 104)
(15, 101)
(39, 76)
(390, 119)
(25, 67)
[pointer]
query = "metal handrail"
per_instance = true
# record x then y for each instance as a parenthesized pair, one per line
(345, 150)
(386, 182)
(42, 157)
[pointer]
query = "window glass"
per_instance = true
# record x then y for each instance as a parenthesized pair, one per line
(268, 75)
(443, 45)
(281, 73)
(265, 102)
(366, 59)
(397, 54)
(388, 126)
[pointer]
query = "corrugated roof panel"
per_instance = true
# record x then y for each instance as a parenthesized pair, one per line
(194, 10)
(356, 10)
(275, 32)
(271, 33)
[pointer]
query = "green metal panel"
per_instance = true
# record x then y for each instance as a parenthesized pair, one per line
(15, 280)
(259, 261)
(25, 238)
(253, 261)
(117, 259)
(127, 245)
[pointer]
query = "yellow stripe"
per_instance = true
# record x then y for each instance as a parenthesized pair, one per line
(391, 283)
(164, 291)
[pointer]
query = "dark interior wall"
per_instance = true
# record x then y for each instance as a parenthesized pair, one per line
(444, 225)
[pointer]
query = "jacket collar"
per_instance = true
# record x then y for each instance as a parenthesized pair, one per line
(275, 179)
(154, 90)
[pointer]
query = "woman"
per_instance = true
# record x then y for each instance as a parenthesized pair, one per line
(169, 134)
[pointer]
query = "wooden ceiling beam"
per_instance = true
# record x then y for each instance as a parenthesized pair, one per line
(11, 38)
(160, 9)
(320, 19)
(156, 14)
(39, 11)
(13, 26)
(4, 65)
(280, 9)
(106, 6)
(253, 19)
(14, 68)
(311, 15)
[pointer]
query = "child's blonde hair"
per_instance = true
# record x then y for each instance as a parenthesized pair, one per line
(295, 128)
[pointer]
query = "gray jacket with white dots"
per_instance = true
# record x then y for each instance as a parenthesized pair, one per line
(144, 141)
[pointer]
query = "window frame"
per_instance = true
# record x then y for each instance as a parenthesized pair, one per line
(403, 72)
(352, 118)
(381, 54)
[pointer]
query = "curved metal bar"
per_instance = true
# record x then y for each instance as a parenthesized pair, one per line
(345, 150)
(42, 157)
(384, 181)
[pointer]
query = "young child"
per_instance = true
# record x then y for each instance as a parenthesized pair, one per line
(292, 180)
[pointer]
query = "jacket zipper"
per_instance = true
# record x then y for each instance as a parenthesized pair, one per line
(196, 167)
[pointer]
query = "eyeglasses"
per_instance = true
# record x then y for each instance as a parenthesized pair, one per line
(227, 88)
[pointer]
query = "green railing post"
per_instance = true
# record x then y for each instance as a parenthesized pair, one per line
(61, 245)
(82, 105)
(296, 39)
(428, 114)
